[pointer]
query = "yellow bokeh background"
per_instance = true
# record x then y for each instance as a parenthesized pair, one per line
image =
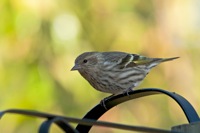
(39, 41)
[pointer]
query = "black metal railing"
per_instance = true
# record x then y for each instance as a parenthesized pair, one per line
(91, 118)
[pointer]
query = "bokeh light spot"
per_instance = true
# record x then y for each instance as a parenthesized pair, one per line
(66, 27)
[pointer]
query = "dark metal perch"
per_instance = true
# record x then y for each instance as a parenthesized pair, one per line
(90, 119)
(99, 110)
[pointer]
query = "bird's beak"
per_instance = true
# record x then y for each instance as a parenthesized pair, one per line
(75, 67)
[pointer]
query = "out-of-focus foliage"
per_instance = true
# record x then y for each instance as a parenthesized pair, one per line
(39, 40)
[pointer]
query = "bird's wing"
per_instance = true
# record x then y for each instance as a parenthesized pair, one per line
(132, 60)
(124, 60)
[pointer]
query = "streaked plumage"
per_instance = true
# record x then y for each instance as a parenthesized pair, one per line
(115, 72)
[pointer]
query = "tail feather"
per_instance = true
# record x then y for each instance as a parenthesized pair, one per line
(156, 61)
(168, 59)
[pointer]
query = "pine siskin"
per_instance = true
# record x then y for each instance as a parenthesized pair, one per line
(115, 72)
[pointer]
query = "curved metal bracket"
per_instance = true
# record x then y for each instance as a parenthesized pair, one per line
(61, 122)
(99, 110)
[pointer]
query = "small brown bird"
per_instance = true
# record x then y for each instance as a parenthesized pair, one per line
(115, 72)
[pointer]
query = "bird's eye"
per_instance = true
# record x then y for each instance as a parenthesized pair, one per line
(85, 61)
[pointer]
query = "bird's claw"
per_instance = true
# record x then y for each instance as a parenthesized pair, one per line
(127, 92)
(102, 103)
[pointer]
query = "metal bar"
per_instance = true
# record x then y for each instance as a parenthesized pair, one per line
(99, 110)
(62, 123)
(88, 122)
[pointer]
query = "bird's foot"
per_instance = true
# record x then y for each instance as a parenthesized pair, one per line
(102, 103)
(127, 91)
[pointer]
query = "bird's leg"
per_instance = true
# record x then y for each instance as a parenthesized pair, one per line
(129, 90)
(126, 92)
(103, 101)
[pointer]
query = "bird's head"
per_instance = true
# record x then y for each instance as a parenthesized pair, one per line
(85, 61)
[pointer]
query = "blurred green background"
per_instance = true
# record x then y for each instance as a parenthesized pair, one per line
(39, 41)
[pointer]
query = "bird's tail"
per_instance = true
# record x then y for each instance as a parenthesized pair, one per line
(155, 61)
(168, 59)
